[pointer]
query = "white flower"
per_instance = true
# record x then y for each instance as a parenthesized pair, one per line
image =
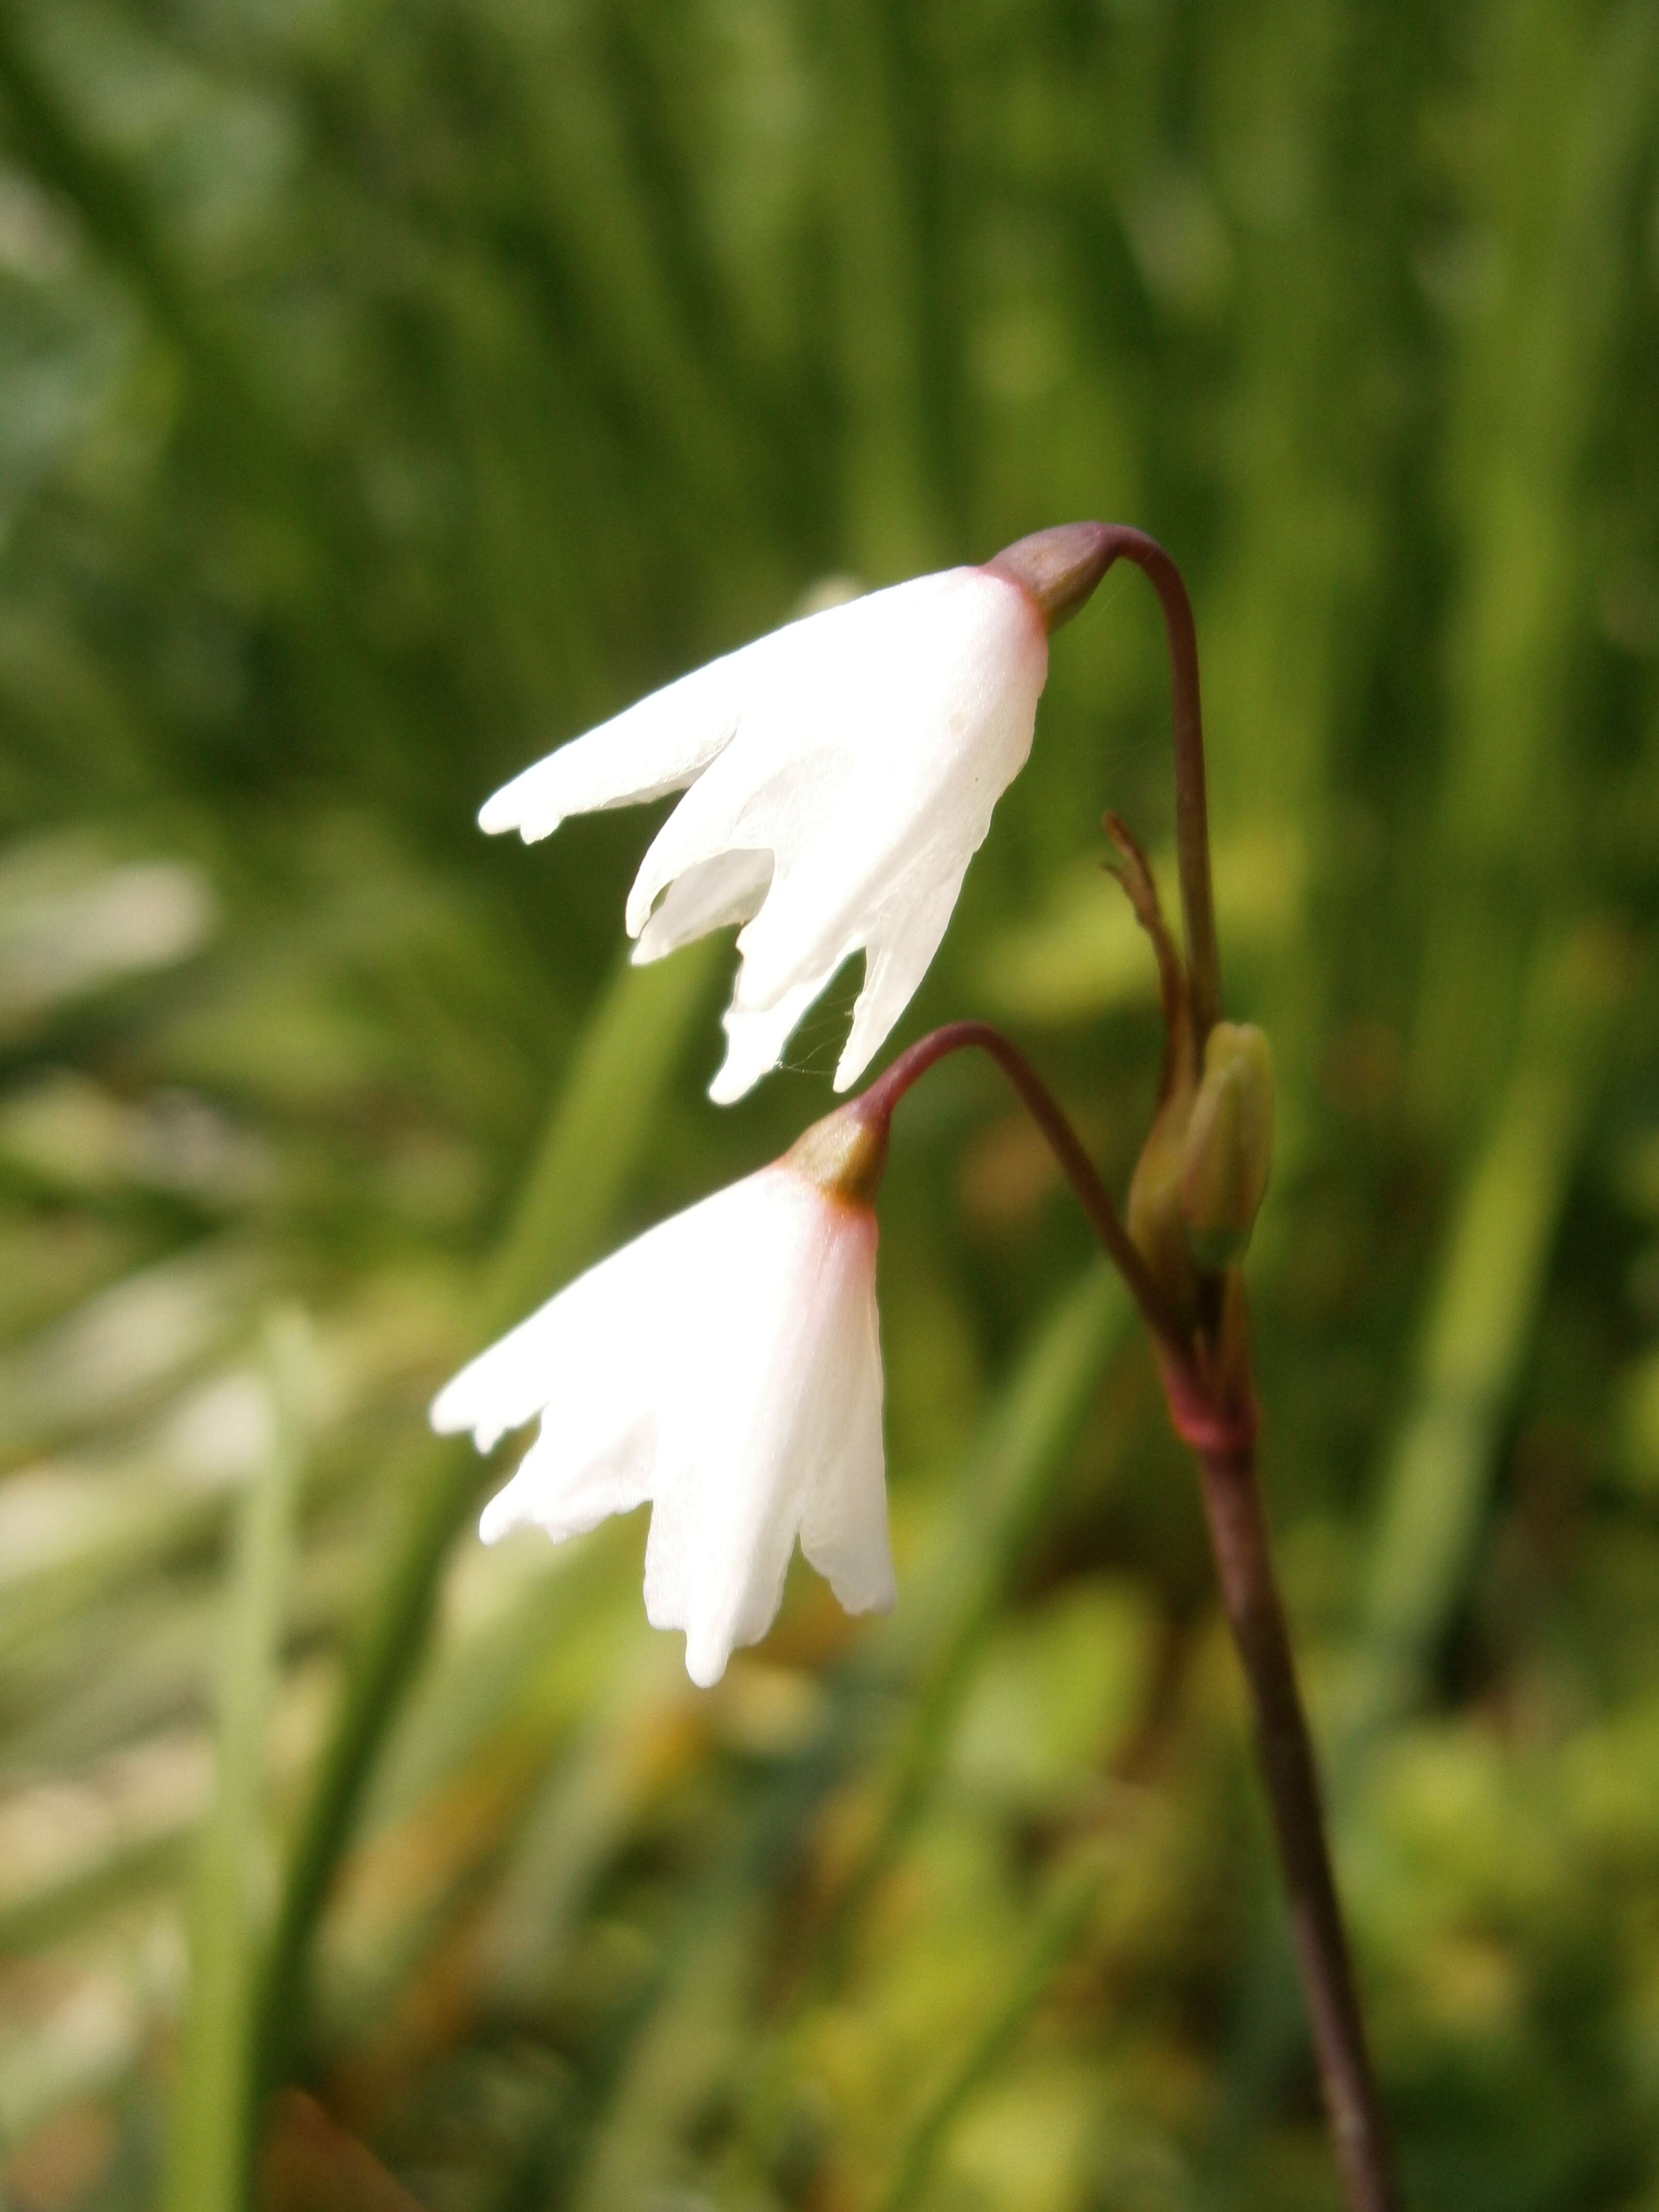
(842, 772)
(726, 1366)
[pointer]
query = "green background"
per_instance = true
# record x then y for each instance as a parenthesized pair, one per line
(388, 391)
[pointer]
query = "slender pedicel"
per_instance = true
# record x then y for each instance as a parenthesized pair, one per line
(1058, 569)
(876, 1106)
(1239, 1540)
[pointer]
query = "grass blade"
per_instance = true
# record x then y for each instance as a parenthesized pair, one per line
(591, 1145)
(210, 2152)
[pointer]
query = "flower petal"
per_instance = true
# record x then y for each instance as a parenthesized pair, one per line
(900, 951)
(727, 888)
(582, 1345)
(739, 1457)
(511, 1382)
(913, 802)
(567, 1485)
(844, 1526)
(718, 1576)
(842, 771)
(744, 802)
(756, 1039)
(726, 1366)
(659, 745)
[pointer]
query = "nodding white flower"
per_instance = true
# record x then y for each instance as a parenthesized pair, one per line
(842, 771)
(726, 1366)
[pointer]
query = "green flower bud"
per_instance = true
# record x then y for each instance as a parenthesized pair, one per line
(1229, 1145)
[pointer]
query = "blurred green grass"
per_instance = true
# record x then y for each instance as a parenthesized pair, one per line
(387, 391)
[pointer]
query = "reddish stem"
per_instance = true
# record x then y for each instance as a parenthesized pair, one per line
(889, 1086)
(1058, 569)
(1239, 1538)
(1192, 809)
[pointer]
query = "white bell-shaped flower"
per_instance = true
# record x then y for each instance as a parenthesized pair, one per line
(842, 772)
(726, 1367)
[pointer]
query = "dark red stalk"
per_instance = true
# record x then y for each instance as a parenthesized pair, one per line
(1239, 1540)
(883, 1094)
(1060, 569)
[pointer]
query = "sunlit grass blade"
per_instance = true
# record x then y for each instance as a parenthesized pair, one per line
(597, 1130)
(1564, 136)
(459, 1774)
(883, 288)
(580, 1818)
(1482, 1318)
(130, 1823)
(591, 1146)
(210, 2151)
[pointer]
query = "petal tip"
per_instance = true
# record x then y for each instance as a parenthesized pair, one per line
(452, 1414)
(499, 1518)
(731, 1083)
(510, 809)
(704, 1664)
(442, 1415)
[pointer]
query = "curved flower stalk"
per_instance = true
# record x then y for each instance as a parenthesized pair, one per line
(725, 1366)
(842, 772)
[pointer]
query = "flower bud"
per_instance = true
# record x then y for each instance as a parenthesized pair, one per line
(1229, 1145)
(1156, 1223)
